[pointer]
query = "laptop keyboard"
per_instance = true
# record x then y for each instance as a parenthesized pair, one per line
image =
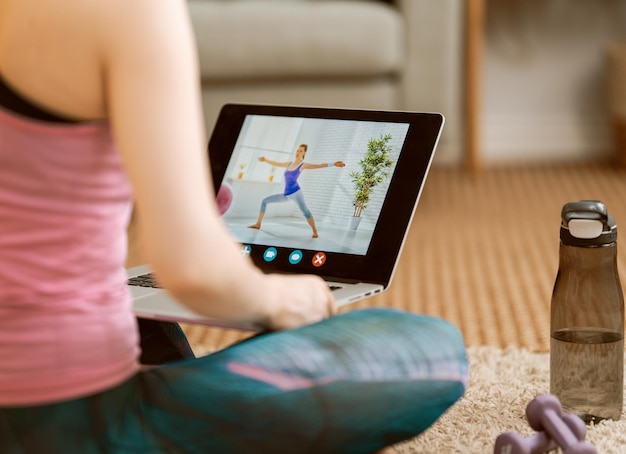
(148, 280)
(145, 280)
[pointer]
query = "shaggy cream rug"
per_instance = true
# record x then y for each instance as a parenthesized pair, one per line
(502, 383)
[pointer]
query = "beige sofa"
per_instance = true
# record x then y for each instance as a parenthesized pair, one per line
(373, 54)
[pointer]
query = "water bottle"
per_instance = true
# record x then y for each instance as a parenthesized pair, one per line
(587, 315)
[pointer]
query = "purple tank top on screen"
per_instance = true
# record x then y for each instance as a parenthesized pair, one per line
(291, 179)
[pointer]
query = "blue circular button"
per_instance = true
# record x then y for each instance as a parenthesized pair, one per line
(270, 254)
(295, 257)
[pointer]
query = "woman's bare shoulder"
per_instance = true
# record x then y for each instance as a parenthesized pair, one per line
(96, 22)
(58, 51)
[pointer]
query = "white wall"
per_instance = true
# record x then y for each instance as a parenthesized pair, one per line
(544, 79)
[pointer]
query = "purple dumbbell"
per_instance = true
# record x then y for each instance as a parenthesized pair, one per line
(545, 414)
(538, 443)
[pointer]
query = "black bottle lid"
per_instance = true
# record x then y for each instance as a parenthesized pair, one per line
(587, 223)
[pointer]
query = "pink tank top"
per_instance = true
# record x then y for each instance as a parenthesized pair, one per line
(66, 325)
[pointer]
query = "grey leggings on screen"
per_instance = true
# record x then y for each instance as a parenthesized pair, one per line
(297, 197)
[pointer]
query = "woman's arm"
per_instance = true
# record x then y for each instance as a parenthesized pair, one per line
(323, 165)
(153, 96)
(273, 163)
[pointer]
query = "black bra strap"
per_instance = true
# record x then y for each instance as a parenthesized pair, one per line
(13, 101)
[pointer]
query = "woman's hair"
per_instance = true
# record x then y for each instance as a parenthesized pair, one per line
(304, 145)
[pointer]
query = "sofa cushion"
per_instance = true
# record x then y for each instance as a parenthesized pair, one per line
(254, 39)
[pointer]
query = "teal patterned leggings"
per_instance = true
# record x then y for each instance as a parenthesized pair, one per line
(354, 383)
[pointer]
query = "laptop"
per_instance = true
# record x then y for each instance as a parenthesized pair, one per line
(343, 215)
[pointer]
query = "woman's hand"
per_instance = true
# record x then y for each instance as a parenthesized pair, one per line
(298, 301)
(262, 159)
(340, 164)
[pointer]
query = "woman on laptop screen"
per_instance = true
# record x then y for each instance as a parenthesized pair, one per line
(99, 107)
(292, 191)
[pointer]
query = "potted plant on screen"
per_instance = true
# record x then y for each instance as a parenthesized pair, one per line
(374, 168)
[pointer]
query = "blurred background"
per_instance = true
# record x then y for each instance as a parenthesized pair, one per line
(518, 80)
(546, 78)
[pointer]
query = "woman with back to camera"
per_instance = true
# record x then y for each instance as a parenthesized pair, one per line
(100, 104)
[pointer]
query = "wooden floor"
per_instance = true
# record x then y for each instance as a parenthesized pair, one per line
(482, 251)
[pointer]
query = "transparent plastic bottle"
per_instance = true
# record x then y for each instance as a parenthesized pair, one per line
(587, 315)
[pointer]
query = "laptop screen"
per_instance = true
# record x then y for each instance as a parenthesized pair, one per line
(308, 190)
(331, 200)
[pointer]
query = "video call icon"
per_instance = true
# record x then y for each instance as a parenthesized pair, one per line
(270, 254)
